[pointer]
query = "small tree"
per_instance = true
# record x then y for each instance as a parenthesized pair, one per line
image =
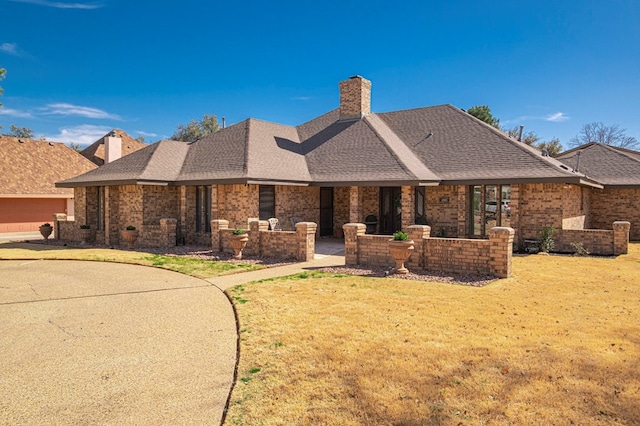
(21, 132)
(196, 129)
(483, 112)
(553, 147)
(140, 139)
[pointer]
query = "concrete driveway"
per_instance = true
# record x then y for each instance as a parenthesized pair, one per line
(104, 343)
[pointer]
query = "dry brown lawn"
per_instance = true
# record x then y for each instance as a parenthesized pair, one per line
(556, 344)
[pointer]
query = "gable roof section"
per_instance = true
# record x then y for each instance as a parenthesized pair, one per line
(30, 168)
(611, 166)
(95, 152)
(157, 164)
(461, 149)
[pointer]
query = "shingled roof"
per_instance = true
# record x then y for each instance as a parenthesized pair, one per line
(609, 165)
(424, 146)
(95, 152)
(30, 168)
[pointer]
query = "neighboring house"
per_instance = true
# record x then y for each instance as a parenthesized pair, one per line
(28, 172)
(435, 165)
(618, 170)
(96, 151)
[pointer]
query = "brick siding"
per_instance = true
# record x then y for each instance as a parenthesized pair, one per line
(609, 205)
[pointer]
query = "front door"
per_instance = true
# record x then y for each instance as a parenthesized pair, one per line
(390, 210)
(326, 212)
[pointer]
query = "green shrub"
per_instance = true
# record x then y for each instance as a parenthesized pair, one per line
(400, 236)
(239, 231)
(131, 228)
(546, 242)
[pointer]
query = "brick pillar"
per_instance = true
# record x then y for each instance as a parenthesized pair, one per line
(463, 211)
(419, 234)
(500, 251)
(351, 233)
(182, 228)
(168, 232)
(306, 235)
(58, 217)
(107, 218)
(216, 236)
(621, 237)
(355, 206)
(254, 245)
(214, 202)
(408, 205)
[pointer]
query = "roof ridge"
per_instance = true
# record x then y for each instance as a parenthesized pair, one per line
(374, 120)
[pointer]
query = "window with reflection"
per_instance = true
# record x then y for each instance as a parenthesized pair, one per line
(490, 206)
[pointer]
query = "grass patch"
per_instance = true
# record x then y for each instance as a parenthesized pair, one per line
(194, 267)
(555, 344)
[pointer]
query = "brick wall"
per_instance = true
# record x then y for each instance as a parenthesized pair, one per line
(442, 210)
(604, 242)
(160, 202)
(298, 201)
(609, 205)
(298, 244)
(485, 257)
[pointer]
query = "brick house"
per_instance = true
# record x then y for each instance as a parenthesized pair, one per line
(618, 170)
(29, 170)
(435, 165)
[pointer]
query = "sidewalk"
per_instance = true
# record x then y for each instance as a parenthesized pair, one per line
(320, 261)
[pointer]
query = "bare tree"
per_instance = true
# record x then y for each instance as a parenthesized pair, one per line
(612, 135)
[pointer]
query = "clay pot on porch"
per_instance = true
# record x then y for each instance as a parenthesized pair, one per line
(46, 230)
(129, 236)
(400, 251)
(238, 243)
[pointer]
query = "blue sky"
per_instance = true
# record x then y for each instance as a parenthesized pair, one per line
(76, 69)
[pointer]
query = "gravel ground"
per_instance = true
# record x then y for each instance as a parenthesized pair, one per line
(431, 276)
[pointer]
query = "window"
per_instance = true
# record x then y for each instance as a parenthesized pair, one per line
(489, 206)
(203, 209)
(267, 202)
(421, 217)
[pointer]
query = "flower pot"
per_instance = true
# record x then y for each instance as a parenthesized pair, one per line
(238, 243)
(129, 237)
(400, 252)
(46, 231)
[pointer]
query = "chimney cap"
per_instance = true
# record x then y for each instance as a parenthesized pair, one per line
(355, 76)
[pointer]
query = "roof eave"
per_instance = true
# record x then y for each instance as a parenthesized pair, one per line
(515, 181)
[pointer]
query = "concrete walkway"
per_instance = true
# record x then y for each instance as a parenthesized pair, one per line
(329, 252)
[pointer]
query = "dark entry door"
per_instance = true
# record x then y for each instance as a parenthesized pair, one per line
(390, 209)
(326, 211)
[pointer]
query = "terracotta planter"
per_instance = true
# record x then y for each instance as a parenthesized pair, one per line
(400, 252)
(46, 231)
(129, 237)
(86, 235)
(238, 243)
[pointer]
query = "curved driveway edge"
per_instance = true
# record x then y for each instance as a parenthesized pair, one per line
(92, 342)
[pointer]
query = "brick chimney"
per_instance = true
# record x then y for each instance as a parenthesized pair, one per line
(355, 98)
(112, 147)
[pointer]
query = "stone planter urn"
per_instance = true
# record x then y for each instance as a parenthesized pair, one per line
(400, 251)
(238, 243)
(129, 236)
(46, 230)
